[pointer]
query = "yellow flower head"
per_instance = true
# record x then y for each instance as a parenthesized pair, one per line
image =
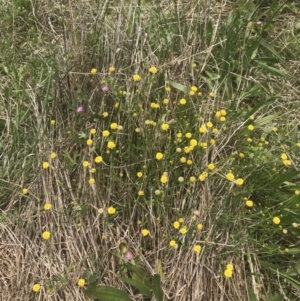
(47, 206)
(85, 163)
(165, 127)
(93, 131)
(89, 142)
(276, 220)
(111, 210)
(139, 174)
(182, 101)
(173, 244)
(81, 282)
(36, 287)
(197, 249)
(183, 230)
(228, 273)
(46, 235)
(136, 78)
(159, 156)
(25, 190)
(145, 232)
(53, 155)
(202, 129)
(176, 225)
(45, 165)
(230, 176)
(164, 179)
(211, 166)
(250, 127)
(152, 69)
(98, 159)
(93, 70)
(111, 69)
(111, 145)
(239, 181)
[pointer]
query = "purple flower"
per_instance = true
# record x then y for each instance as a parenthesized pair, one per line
(35, 52)
(129, 255)
(258, 22)
(105, 88)
(79, 109)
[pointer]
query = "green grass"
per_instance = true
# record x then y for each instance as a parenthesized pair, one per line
(242, 117)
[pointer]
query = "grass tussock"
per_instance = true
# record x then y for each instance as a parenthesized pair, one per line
(151, 147)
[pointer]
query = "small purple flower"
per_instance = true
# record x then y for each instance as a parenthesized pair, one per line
(79, 109)
(129, 255)
(105, 88)
(35, 52)
(258, 22)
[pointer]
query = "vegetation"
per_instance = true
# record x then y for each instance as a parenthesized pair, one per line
(149, 149)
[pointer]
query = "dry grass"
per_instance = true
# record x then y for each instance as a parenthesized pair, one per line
(68, 31)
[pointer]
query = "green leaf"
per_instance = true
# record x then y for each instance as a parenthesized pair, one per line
(272, 50)
(294, 251)
(261, 105)
(157, 290)
(159, 268)
(275, 298)
(289, 279)
(142, 287)
(287, 176)
(106, 293)
(267, 60)
(265, 120)
(273, 70)
(251, 294)
(178, 86)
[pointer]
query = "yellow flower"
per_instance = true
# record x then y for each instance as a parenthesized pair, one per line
(173, 244)
(181, 220)
(228, 273)
(209, 124)
(165, 101)
(202, 129)
(212, 94)
(250, 127)
(189, 162)
(89, 142)
(222, 119)
(98, 159)
(241, 155)
(211, 166)
(229, 267)
(230, 176)
(215, 130)
(114, 126)
(36, 287)
(139, 174)
(223, 112)
(199, 93)
(105, 133)
(105, 114)
(145, 232)
(194, 88)
(53, 155)
(93, 131)
(152, 69)
(47, 206)
(52, 122)
(182, 101)
(94, 71)
(276, 220)
(136, 78)
(140, 192)
(193, 142)
(100, 211)
(183, 230)
(203, 145)
(25, 190)
(192, 179)
(45, 165)
(111, 145)
(81, 282)
(218, 114)
(239, 181)
(91, 181)
(197, 249)
(164, 179)
(85, 163)
(111, 69)
(159, 156)
(176, 225)
(183, 159)
(165, 127)
(249, 203)
(199, 226)
(111, 210)
(46, 235)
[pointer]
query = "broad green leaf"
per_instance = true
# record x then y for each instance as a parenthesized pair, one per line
(275, 298)
(157, 290)
(251, 294)
(261, 105)
(139, 274)
(265, 120)
(287, 176)
(272, 50)
(106, 293)
(267, 60)
(273, 70)
(178, 86)
(159, 268)
(289, 279)
(142, 287)
(252, 51)
(253, 91)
